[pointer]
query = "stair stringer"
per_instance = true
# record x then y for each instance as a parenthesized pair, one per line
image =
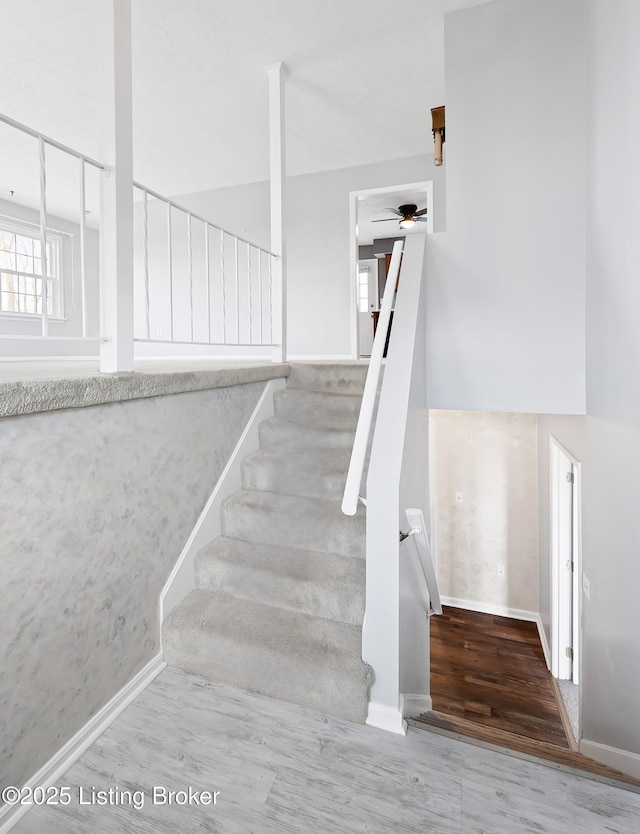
(181, 581)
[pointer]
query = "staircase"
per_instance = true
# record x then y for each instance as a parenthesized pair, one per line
(279, 597)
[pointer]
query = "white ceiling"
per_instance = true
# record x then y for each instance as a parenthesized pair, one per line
(363, 75)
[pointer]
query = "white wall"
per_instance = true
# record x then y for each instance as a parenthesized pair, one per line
(71, 324)
(317, 227)
(607, 442)
(491, 460)
(506, 282)
(88, 541)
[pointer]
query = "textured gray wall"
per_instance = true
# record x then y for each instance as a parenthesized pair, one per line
(95, 507)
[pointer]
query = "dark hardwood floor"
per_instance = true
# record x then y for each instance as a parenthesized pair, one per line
(491, 671)
(490, 683)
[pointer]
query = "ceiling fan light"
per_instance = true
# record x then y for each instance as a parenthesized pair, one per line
(407, 222)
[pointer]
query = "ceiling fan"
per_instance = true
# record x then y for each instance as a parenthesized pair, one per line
(408, 214)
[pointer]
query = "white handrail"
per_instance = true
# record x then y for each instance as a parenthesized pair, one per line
(52, 142)
(356, 465)
(418, 530)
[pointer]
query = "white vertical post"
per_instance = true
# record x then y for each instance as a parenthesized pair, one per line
(277, 168)
(116, 216)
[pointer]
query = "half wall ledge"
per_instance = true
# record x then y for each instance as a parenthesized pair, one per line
(42, 387)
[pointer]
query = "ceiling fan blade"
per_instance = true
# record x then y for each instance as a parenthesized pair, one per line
(384, 220)
(422, 220)
(421, 212)
(395, 211)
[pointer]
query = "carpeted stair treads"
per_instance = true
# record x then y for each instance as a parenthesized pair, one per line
(279, 597)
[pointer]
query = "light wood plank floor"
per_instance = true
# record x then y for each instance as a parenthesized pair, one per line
(281, 768)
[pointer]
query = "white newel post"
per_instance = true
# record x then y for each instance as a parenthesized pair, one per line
(277, 162)
(116, 204)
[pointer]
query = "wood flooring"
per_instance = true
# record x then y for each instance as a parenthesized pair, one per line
(491, 671)
(283, 769)
(490, 682)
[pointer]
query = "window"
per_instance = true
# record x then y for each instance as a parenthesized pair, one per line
(21, 270)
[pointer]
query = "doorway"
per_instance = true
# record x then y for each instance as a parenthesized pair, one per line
(374, 227)
(566, 570)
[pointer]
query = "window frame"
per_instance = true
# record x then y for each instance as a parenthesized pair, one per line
(15, 225)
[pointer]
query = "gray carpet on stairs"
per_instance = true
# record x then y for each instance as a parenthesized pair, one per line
(279, 597)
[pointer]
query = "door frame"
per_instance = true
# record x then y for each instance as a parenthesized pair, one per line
(427, 185)
(559, 585)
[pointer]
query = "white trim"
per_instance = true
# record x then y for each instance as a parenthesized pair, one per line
(490, 608)
(84, 738)
(352, 271)
(66, 358)
(622, 760)
(559, 666)
(543, 639)
(182, 580)
(46, 339)
(412, 705)
(385, 718)
(322, 357)
(354, 306)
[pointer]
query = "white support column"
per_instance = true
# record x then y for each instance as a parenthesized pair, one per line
(116, 216)
(277, 162)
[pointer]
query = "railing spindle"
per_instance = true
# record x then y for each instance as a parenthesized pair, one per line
(222, 287)
(83, 259)
(208, 278)
(44, 290)
(170, 262)
(235, 245)
(250, 295)
(145, 244)
(190, 255)
(260, 291)
(270, 298)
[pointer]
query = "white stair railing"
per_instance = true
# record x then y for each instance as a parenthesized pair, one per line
(196, 283)
(395, 633)
(351, 494)
(44, 142)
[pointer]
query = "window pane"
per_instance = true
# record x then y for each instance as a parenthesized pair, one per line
(7, 260)
(24, 245)
(9, 302)
(7, 240)
(36, 248)
(24, 263)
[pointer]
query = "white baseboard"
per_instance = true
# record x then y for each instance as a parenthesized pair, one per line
(490, 608)
(181, 581)
(385, 718)
(623, 760)
(324, 357)
(413, 705)
(84, 738)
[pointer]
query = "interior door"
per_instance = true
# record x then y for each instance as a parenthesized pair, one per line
(367, 301)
